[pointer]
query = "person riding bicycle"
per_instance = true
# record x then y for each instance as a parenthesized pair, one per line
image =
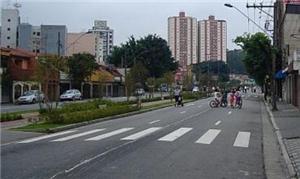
(237, 95)
(232, 98)
(218, 96)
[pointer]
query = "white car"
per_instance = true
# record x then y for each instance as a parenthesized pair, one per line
(71, 94)
(31, 96)
(195, 89)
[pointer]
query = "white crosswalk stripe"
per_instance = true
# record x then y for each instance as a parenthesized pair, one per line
(45, 137)
(242, 139)
(77, 135)
(208, 137)
(141, 133)
(175, 134)
(103, 136)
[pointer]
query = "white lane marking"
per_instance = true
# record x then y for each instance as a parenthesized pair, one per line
(112, 133)
(229, 112)
(209, 136)
(152, 122)
(190, 104)
(242, 139)
(175, 134)
(45, 137)
(182, 112)
(141, 134)
(76, 135)
(200, 106)
(90, 159)
(217, 123)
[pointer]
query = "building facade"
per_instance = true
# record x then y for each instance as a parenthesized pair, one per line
(287, 38)
(104, 40)
(25, 36)
(53, 39)
(212, 40)
(81, 43)
(10, 19)
(182, 39)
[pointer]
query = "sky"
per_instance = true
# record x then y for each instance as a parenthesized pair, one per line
(138, 17)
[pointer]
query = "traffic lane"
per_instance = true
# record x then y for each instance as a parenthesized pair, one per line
(68, 153)
(150, 158)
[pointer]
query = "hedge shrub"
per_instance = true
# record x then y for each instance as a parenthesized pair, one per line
(10, 117)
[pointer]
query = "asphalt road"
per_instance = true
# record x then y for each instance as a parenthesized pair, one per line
(193, 141)
(6, 108)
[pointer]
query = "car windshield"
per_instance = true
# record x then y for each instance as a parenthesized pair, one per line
(68, 92)
(28, 93)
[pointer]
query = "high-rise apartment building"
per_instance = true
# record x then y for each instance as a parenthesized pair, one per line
(182, 39)
(212, 40)
(10, 19)
(104, 40)
(53, 39)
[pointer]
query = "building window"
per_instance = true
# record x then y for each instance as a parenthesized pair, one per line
(8, 46)
(38, 33)
(33, 33)
(8, 29)
(8, 37)
(37, 50)
(8, 20)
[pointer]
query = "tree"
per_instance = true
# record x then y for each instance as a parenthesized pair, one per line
(169, 78)
(151, 85)
(81, 66)
(152, 51)
(258, 55)
(235, 61)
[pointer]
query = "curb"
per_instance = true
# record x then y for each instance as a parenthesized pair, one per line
(288, 162)
(71, 126)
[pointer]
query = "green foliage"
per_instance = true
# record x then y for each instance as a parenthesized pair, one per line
(235, 61)
(9, 117)
(87, 115)
(78, 112)
(81, 66)
(190, 95)
(258, 55)
(152, 51)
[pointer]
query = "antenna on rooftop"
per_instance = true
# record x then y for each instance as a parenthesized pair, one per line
(17, 5)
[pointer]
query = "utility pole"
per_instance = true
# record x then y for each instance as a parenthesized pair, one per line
(275, 44)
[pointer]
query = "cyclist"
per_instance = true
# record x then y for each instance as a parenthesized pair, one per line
(237, 95)
(177, 93)
(218, 96)
(232, 98)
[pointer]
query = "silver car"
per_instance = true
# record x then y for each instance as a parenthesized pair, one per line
(31, 96)
(71, 94)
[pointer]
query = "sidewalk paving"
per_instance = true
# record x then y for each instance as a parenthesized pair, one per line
(287, 120)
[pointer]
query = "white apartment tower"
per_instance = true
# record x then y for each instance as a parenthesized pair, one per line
(182, 39)
(212, 40)
(104, 40)
(10, 19)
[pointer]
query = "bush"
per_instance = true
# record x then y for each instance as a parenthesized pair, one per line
(191, 95)
(10, 117)
(80, 116)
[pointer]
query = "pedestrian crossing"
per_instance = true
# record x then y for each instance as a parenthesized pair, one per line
(242, 138)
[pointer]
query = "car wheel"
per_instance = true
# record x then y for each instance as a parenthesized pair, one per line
(33, 101)
(73, 98)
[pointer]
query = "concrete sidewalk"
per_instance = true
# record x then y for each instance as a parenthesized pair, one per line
(286, 123)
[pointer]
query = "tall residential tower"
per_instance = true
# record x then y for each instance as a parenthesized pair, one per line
(182, 39)
(212, 40)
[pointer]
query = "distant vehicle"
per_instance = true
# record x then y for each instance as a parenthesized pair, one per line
(164, 87)
(195, 89)
(140, 91)
(71, 94)
(31, 96)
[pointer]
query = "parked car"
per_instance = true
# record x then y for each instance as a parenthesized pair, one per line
(195, 89)
(71, 94)
(31, 96)
(140, 91)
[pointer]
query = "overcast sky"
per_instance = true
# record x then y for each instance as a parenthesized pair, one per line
(137, 17)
